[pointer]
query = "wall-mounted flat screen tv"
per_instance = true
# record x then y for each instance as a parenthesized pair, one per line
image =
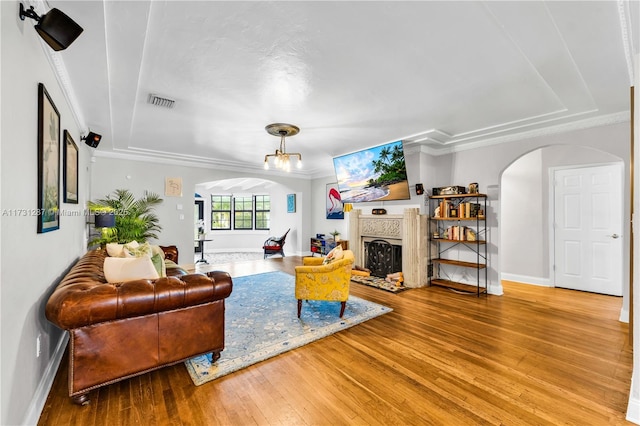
(373, 174)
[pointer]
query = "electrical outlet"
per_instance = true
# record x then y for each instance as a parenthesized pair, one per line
(38, 345)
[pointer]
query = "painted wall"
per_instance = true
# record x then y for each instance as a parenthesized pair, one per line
(486, 165)
(526, 210)
(176, 213)
(521, 224)
(31, 264)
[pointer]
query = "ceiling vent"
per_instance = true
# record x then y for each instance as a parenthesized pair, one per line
(160, 101)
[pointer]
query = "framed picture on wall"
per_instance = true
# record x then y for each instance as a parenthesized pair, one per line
(48, 163)
(291, 203)
(70, 164)
(335, 209)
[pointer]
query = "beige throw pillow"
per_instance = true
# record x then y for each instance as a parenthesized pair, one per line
(335, 254)
(115, 249)
(121, 269)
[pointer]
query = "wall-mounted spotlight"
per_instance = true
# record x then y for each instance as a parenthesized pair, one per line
(56, 28)
(92, 139)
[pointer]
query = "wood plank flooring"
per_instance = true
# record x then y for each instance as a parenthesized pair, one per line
(534, 356)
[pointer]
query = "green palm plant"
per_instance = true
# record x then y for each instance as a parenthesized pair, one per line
(135, 219)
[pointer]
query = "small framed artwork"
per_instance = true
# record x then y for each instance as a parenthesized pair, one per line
(335, 209)
(70, 164)
(173, 187)
(48, 163)
(291, 203)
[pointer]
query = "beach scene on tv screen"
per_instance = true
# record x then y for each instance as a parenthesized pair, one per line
(374, 174)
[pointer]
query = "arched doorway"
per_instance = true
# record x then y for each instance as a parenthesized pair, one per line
(249, 240)
(526, 220)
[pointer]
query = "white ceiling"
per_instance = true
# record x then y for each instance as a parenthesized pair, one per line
(442, 76)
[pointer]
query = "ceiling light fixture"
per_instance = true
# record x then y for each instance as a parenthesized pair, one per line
(56, 28)
(282, 157)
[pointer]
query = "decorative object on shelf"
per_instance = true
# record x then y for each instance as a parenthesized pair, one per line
(55, 27)
(336, 235)
(281, 156)
(135, 219)
(70, 173)
(291, 203)
(473, 188)
(173, 187)
(335, 209)
(200, 226)
(48, 163)
(449, 190)
(379, 211)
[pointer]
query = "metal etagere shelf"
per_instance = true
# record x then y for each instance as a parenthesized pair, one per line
(458, 229)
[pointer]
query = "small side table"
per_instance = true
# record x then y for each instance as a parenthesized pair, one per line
(201, 242)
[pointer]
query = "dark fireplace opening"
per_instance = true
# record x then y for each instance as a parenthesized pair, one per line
(382, 257)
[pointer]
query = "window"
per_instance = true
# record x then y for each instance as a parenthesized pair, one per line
(245, 210)
(220, 212)
(242, 213)
(263, 211)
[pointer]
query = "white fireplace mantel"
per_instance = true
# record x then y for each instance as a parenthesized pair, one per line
(408, 229)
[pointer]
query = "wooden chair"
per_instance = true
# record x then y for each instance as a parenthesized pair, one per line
(274, 245)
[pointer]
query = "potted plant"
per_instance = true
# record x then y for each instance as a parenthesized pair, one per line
(336, 235)
(134, 218)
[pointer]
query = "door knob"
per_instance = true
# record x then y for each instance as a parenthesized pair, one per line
(615, 236)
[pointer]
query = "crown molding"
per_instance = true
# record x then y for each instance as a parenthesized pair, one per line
(603, 120)
(161, 157)
(624, 14)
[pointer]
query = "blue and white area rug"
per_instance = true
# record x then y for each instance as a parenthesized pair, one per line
(261, 322)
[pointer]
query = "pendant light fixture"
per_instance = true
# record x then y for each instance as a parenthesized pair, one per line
(282, 158)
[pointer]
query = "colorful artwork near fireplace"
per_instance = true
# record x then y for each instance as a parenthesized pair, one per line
(335, 209)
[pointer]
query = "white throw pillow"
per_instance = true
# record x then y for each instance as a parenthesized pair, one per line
(115, 249)
(120, 269)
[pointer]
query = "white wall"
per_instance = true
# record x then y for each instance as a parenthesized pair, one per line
(521, 225)
(526, 211)
(486, 165)
(31, 264)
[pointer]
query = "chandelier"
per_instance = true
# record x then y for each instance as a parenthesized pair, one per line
(282, 158)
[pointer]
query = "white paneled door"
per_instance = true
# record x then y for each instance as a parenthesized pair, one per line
(588, 229)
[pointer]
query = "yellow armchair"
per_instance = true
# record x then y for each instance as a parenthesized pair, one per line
(316, 281)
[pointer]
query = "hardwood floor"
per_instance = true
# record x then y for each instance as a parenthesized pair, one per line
(535, 355)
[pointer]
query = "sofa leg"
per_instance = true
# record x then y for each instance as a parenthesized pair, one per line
(215, 356)
(342, 306)
(299, 307)
(81, 399)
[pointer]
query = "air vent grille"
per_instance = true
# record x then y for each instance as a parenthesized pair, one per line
(160, 101)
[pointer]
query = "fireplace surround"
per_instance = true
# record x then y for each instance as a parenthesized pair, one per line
(408, 230)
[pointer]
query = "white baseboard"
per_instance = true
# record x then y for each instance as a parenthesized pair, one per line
(44, 387)
(525, 279)
(633, 408)
(495, 289)
(624, 315)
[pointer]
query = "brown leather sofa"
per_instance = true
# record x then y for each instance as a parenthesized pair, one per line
(121, 330)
